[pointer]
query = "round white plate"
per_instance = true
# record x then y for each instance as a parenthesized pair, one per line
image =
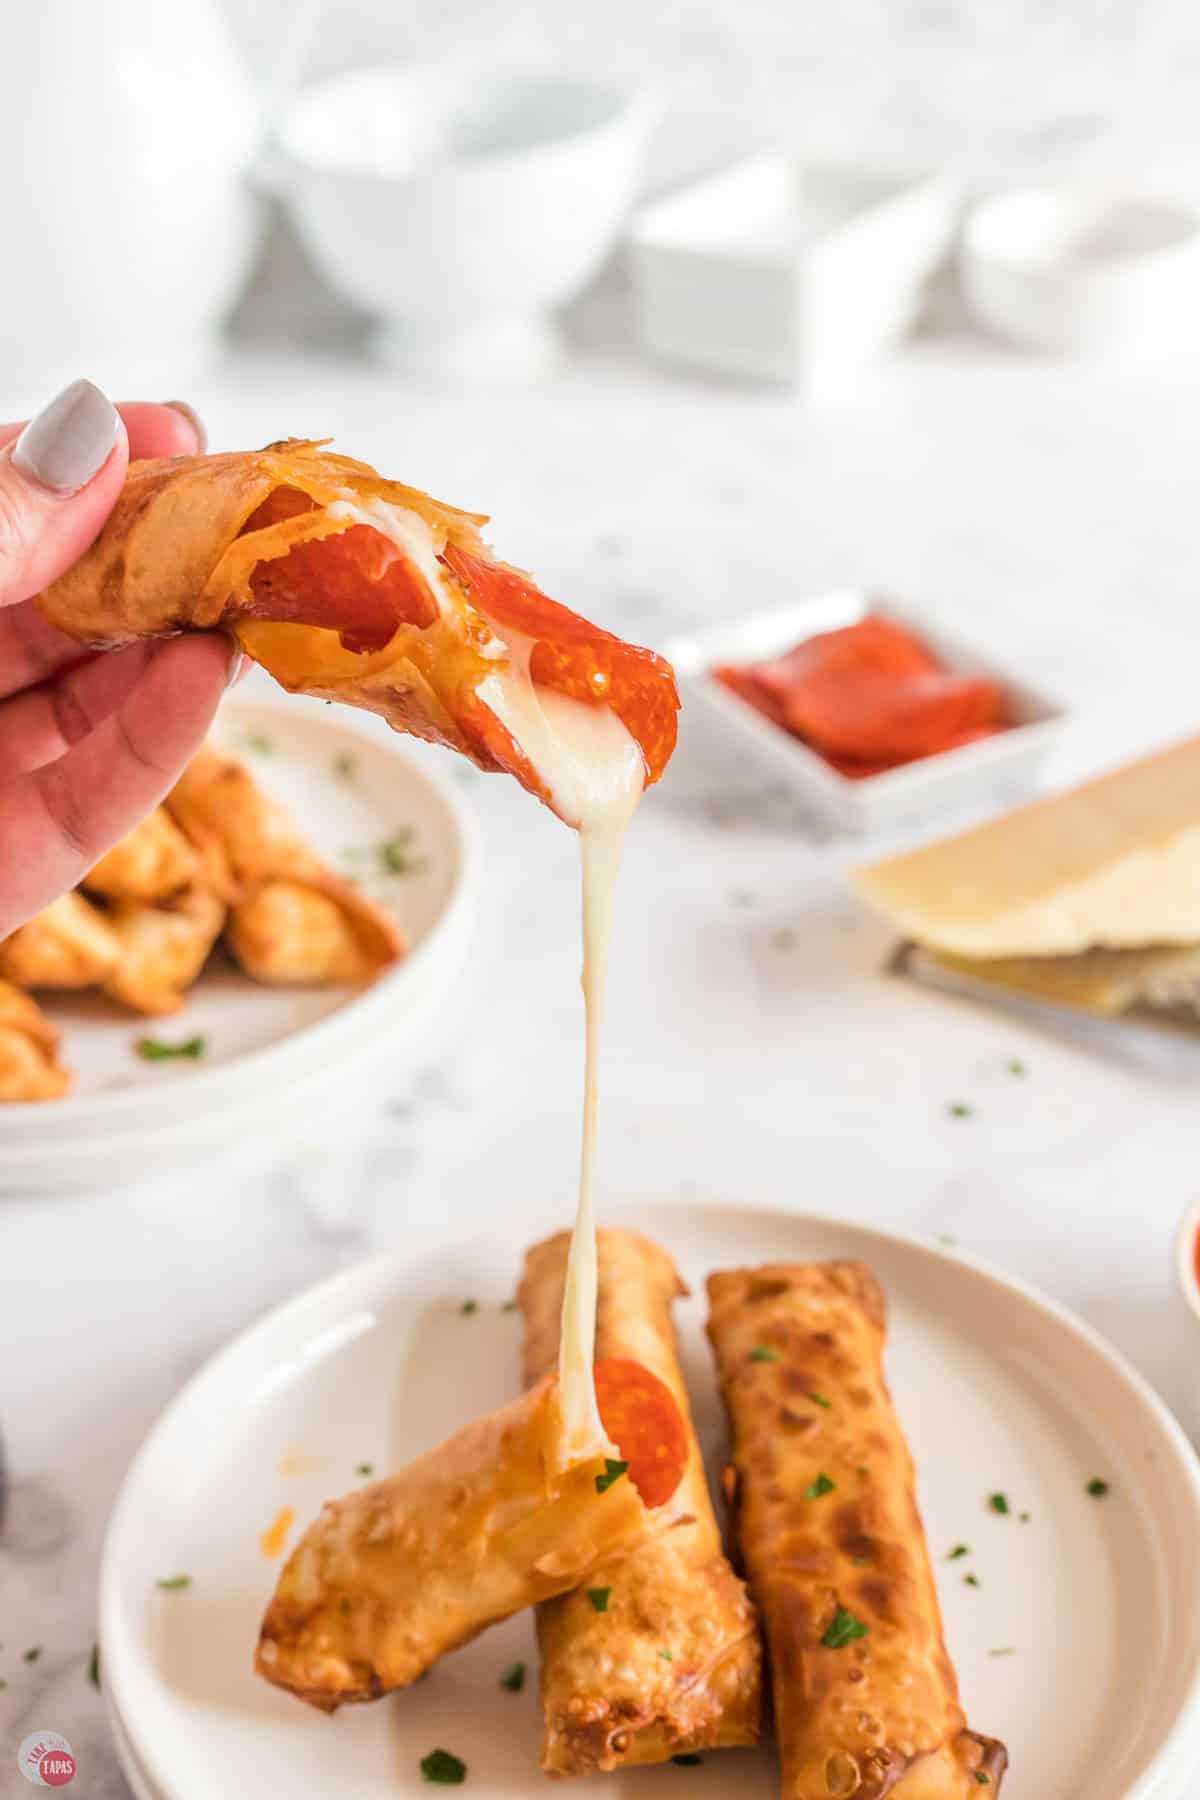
(268, 1050)
(1095, 1601)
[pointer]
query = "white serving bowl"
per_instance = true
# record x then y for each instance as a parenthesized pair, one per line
(995, 770)
(772, 270)
(1075, 269)
(461, 211)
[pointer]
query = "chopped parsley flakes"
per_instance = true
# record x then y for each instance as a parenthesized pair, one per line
(155, 1050)
(998, 1503)
(513, 1677)
(843, 1629)
(820, 1400)
(666, 1656)
(509, 1306)
(1097, 1488)
(442, 1767)
(764, 1353)
(174, 1584)
(958, 1109)
(345, 765)
(1007, 1651)
(822, 1485)
(94, 1666)
(365, 1469)
(599, 1598)
(469, 1306)
(1016, 1066)
(613, 1471)
(395, 854)
(958, 1550)
(258, 740)
(33, 1652)
(970, 1581)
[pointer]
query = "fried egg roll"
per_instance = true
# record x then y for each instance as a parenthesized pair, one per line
(393, 1576)
(70, 944)
(866, 1701)
(291, 918)
(162, 949)
(151, 862)
(352, 587)
(29, 1065)
(658, 1655)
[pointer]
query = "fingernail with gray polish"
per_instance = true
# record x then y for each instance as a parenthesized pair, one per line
(70, 439)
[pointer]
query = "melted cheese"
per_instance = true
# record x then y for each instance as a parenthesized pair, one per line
(595, 774)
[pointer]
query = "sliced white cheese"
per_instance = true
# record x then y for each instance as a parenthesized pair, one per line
(1115, 863)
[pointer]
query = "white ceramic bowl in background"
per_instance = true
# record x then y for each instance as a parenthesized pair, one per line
(460, 211)
(280, 1062)
(1067, 268)
(1187, 1289)
(996, 769)
(773, 271)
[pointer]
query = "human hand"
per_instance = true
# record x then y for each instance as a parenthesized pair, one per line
(89, 743)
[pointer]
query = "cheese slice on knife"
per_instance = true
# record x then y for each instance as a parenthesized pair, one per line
(1113, 865)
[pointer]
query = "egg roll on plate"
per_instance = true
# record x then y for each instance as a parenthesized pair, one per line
(352, 587)
(70, 944)
(291, 918)
(162, 949)
(151, 862)
(29, 1065)
(393, 1576)
(866, 1702)
(659, 1655)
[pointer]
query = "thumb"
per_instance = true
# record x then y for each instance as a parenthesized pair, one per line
(58, 484)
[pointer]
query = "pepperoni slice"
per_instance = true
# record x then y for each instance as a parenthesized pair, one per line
(355, 583)
(577, 658)
(641, 1416)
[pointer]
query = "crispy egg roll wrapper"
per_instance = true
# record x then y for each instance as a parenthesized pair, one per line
(29, 1065)
(393, 1576)
(291, 918)
(351, 587)
(70, 944)
(878, 1716)
(151, 862)
(162, 949)
(611, 1698)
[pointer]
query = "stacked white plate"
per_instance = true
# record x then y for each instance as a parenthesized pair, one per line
(1077, 1639)
(271, 1055)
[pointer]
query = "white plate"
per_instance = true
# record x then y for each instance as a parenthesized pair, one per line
(997, 1388)
(268, 1050)
(995, 768)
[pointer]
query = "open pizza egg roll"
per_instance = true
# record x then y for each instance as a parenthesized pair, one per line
(291, 918)
(658, 1655)
(29, 1065)
(70, 944)
(162, 949)
(151, 862)
(352, 587)
(393, 1576)
(866, 1702)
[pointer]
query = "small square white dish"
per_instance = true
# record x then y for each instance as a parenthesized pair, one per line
(773, 270)
(996, 769)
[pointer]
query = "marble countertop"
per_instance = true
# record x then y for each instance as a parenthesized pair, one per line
(754, 1051)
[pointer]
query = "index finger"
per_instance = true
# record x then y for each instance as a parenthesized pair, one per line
(154, 429)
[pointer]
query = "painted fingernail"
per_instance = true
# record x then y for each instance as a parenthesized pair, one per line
(70, 439)
(194, 420)
(239, 665)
